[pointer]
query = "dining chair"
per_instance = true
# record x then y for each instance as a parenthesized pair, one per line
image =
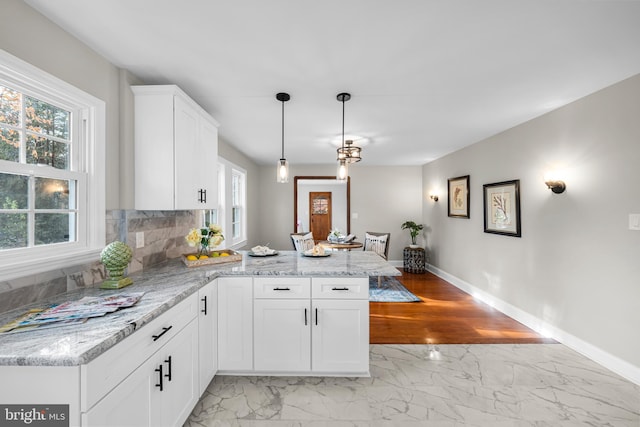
(377, 242)
(302, 241)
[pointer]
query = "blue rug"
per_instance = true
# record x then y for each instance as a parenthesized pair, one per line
(389, 290)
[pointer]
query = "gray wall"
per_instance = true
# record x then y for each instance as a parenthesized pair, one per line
(576, 267)
(253, 189)
(383, 197)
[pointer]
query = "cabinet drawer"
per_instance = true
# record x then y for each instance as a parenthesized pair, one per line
(110, 368)
(282, 287)
(340, 287)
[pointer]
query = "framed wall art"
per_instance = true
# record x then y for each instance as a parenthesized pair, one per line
(459, 196)
(502, 208)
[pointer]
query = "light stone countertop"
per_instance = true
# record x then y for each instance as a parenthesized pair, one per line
(164, 287)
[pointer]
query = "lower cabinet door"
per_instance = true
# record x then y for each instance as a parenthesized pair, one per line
(129, 404)
(282, 335)
(207, 334)
(235, 323)
(161, 392)
(340, 336)
(179, 360)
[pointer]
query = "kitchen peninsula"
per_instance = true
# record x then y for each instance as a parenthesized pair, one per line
(280, 315)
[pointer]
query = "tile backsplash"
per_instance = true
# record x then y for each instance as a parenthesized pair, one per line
(164, 233)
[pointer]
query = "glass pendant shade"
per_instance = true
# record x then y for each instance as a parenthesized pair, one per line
(343, 170)
(282, 171)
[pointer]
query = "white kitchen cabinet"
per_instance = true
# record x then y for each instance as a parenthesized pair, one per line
(282, 335)
(161, 392)
(178, 365)
(340, 337)
(282, 319)
(301, 325)
(235, 324)
(155, 374)
(207, 334)
(176, 151)
(130, 403)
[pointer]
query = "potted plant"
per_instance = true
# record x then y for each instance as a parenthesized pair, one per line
(414, 230)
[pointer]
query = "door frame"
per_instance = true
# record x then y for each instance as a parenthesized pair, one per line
(295, 199)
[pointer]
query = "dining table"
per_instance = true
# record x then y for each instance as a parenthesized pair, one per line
(341, 246)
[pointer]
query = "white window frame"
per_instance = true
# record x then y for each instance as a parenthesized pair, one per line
(241, 175)
(225, 210)
(90, 123)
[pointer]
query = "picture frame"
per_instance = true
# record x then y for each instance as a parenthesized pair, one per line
(459, 196)
(501, 202)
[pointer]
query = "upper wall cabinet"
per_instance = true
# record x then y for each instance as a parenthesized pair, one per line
(176, 151)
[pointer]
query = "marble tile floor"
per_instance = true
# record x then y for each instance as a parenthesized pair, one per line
(422, 385)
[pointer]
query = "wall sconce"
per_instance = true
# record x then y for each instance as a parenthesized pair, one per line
(553, 183)
(434, 197)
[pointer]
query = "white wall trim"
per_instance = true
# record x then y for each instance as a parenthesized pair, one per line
(598, 355)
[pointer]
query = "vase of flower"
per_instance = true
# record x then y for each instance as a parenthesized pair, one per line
(205, 239)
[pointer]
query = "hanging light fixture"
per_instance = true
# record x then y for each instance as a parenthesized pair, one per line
(282, 171)
(350, 152)
(343, 165)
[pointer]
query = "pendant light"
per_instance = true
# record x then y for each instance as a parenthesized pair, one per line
(343, 164)
(282, 171)
(350, 152)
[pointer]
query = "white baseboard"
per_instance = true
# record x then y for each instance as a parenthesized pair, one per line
(598, 355)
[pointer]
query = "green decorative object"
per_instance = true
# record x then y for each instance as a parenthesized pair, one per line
(414, 230)
(116, 257)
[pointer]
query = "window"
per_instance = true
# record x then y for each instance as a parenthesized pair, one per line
(51, 182)
(237, 204)
(231, 213)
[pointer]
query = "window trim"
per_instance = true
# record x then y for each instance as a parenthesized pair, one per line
(242, 174)
(91, 154)
(227, 210)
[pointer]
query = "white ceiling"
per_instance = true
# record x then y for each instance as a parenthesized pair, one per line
(426, 77)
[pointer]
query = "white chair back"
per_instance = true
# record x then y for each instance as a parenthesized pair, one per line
(377, 242)
(302, 242)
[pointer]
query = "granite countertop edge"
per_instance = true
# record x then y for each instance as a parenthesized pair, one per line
(164, 286)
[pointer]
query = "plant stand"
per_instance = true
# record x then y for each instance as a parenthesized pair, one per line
(413, 260)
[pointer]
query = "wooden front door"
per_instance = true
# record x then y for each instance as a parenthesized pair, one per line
(320, 214)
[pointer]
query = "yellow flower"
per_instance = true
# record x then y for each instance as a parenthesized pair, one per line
(215, 240)
(194, 237)
(215, 229)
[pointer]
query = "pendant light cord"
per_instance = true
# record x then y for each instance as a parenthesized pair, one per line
(282, 157)
(343, 124)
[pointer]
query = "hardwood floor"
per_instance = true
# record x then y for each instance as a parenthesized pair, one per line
(445, 315)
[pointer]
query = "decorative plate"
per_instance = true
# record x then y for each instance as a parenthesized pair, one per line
(274, 253)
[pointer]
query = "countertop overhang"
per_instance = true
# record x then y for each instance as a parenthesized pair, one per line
(164, 287)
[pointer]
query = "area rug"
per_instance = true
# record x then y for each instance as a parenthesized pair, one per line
(389, 290)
